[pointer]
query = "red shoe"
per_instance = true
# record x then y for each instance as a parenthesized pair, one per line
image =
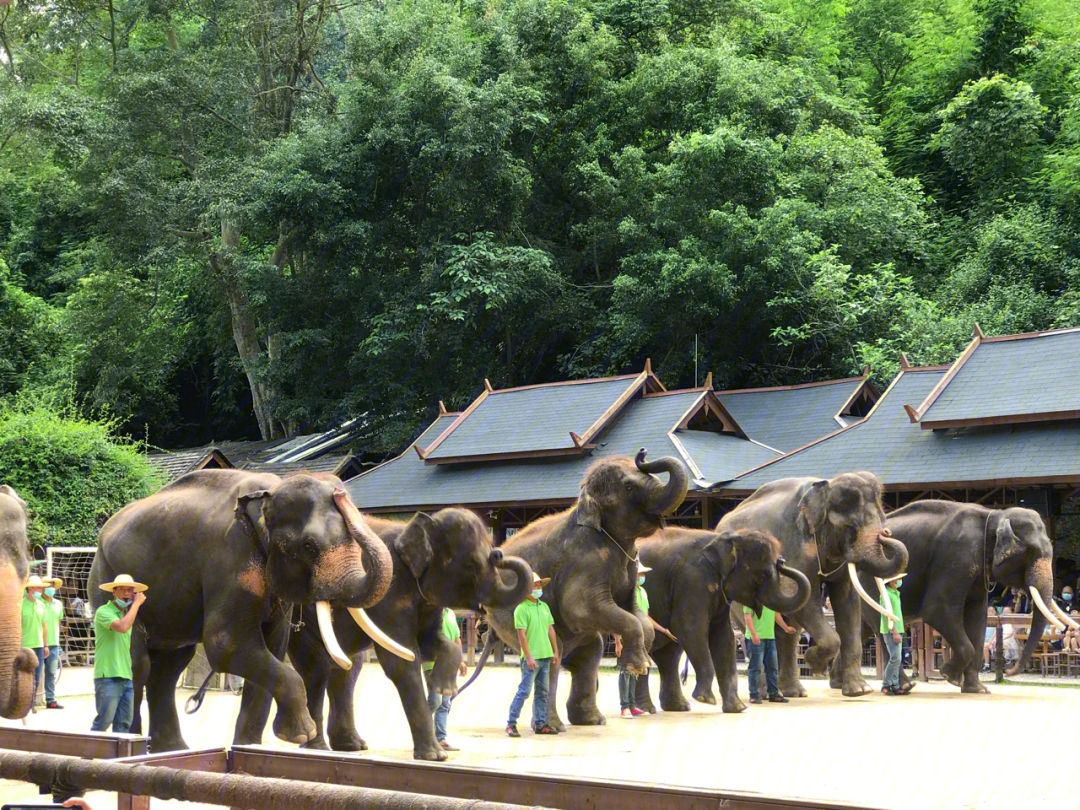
(634, 710)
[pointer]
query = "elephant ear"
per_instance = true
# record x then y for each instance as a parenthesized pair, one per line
(414, 544)
(249, 513)
(813, 503)
(1006, 544)
(722, 554)
(588, 511)
(11, 493)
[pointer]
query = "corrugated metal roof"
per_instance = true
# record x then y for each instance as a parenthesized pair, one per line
(901, 454)
(1019, 376)
(533, 419)
(788, 418)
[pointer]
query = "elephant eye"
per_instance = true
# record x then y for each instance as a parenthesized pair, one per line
(310, 547)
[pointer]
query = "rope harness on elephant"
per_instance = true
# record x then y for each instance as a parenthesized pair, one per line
(817, 550)
(604, 531)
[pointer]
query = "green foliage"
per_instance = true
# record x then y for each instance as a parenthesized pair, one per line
(71, 472)
(29, 334)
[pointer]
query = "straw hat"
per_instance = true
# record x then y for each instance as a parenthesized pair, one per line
(35, 582)
(539, 580)
(56, 582)
(642, 568)
(890, 579)
(123, 581)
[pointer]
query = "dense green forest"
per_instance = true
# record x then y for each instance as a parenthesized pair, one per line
(227, 218)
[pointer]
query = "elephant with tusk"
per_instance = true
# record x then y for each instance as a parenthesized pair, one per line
(954, 551)
(17, 664)
(831, 530)
(226, 554)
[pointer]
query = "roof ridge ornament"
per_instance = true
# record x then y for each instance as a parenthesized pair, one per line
(905, 364)
(978, 332)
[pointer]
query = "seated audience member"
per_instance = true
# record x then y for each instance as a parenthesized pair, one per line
(1066, 601)
(1070, 642)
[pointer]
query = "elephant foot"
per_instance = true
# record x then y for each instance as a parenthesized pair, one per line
(856, 687)
(975, 688)
(790, 689)
(435, 754)
(297, 729)
(952, 673)
(348, 742)
(675, 705)
(557, 724)
(705, 696)
(585, 716)
(318, 744)
(649, 707)
(734, 706)
(634, 661)
(166, 742)
(817, 661)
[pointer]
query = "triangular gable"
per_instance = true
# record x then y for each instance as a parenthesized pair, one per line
(553, 419)
(1011, 379)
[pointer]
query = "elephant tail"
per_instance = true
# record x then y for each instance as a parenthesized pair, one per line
(489, 645)
(194, 703)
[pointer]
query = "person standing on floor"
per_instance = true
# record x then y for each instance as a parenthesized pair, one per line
(113, 689)
(34, 635)
(761, 650)
(893, 635)
(54, 614)
(536, 635)
(440, 704)
(627, 681)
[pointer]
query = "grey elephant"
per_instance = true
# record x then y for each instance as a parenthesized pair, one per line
(695, 577)
(590, 554)
(955, 550)
(17, 664)
(829, 530)
(225, 554)
(440, 560)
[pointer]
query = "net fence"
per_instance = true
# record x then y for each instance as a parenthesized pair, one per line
(72, 565)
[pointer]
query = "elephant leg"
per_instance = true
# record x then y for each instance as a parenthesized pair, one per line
(971, 651)
(140, 674)
(616, 620)
(696, 644)
(826, 646)
(409, 682)
(341, 727)
(165, 671)
(722, 649)
(584, 665)
(642, 694)
(847, 611)
(255, 703)
(672, 698)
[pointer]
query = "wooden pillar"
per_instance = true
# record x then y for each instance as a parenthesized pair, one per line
(705, 513)
(879, 658)
(470, 638)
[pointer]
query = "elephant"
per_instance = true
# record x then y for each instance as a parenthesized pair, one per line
(17, 664)
(225, 554)
(955, 550)
(590, 554)
(696, 576)
(440, 560)
(824, 527)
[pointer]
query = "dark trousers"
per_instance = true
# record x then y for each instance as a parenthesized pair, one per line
(765, 652)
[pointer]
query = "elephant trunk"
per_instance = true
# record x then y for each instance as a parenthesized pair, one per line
(666, 499)
(785, 603)
(501, 595)
(365, 588)
(1040, 584)
(17, 665)
(879, 555)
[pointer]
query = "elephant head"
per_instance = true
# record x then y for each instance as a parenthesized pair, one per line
(1022, 558)
(17, 664)
(451, 556)
(622, 496)
(752, 571)
(318, 548)
(846, 525)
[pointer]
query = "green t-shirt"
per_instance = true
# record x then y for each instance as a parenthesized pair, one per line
(54, 612)
(894, 606)
(535, 619)
(112, 650)
(33, 615)
(450, 630)
(642, 599)
(765, 626)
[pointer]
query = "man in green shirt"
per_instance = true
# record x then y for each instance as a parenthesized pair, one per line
(893, 635)
(54, 614)
(113, 689)
(33, 626)
(760, 642)
(536, 635)
(440, 704)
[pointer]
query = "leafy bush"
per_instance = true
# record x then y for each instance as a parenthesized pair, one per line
(73, 474)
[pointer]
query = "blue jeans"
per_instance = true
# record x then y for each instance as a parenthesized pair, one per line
(892, 669)
(528, 677)
(767, 650)
(52, 666)
(114, 699)
(627, 689)
(440, 705)
(37, 672)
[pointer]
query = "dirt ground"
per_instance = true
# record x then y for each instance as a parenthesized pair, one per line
(934, 749)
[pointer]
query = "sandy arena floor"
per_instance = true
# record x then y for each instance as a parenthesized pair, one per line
(948, 751)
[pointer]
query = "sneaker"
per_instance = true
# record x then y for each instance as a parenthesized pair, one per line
(626, 714)
(636, 711)
(890, 690)
(52, 704)
(445, 746)
(511, 731)
(545, 729)
(906, 688)
(755, 700)
(778, 699)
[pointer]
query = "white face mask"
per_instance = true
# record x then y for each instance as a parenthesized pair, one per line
(641, 580)
(538, 593)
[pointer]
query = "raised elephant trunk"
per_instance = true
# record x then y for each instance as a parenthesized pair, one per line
(376, 582)
(502, 595)
(879, 555)
(666, 499)
(782, 602)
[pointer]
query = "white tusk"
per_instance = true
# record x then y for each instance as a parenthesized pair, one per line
(1061, 614)
(884, 595)
(866, 597)
(329, 640)
(378, 636)
(1036, 597)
